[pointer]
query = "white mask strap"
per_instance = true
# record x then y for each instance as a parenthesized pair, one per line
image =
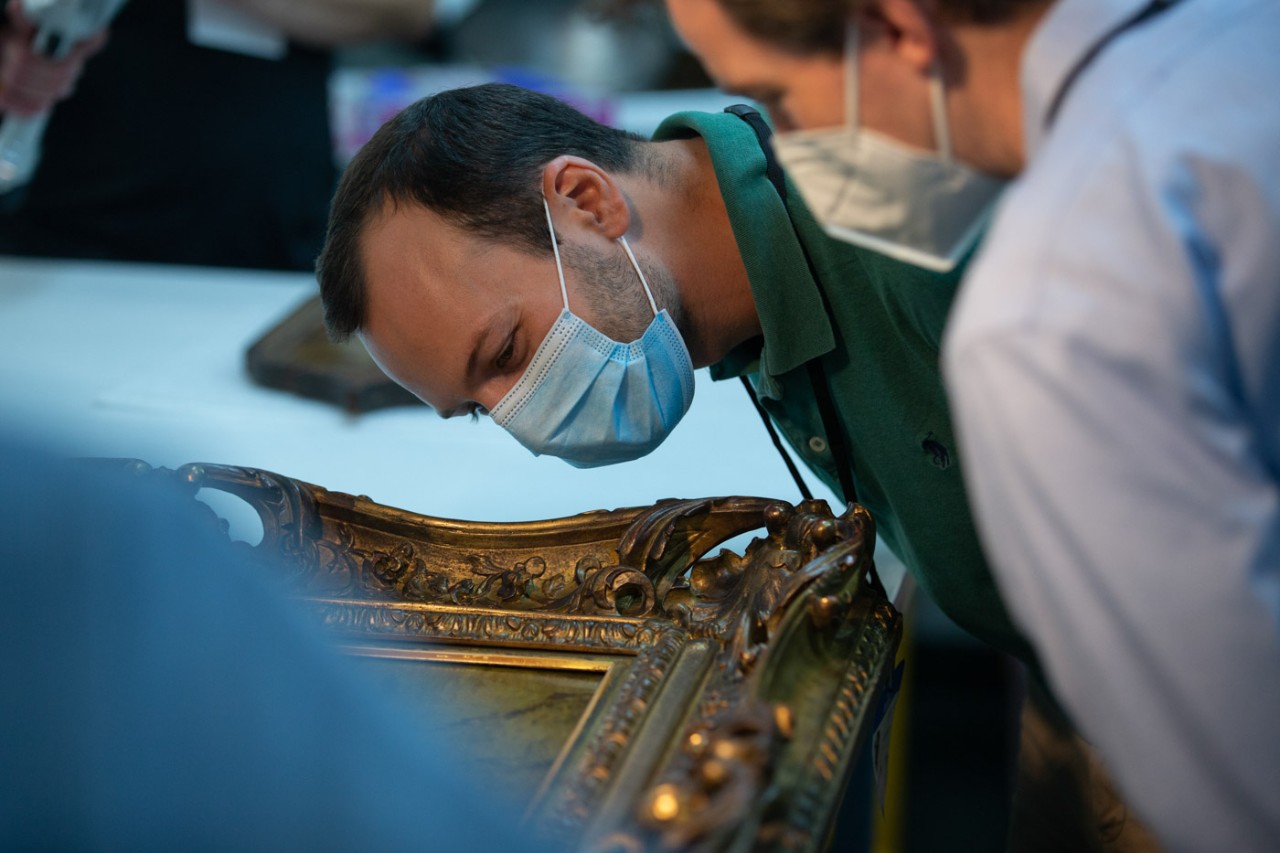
(636, 267)
(851, 75)
(938, 101)
(937, 93)
(555, 247)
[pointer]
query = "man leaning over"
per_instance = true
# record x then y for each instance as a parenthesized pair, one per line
(499, 252)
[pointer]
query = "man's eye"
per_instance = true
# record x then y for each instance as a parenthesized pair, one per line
(505, 358)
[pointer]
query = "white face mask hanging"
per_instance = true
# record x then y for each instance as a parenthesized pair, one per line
(865, 188)
(593, 401)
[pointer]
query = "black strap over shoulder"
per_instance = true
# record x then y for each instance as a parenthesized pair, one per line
(772, 168)
(1146, 13)
(836, 439)
(777, 442)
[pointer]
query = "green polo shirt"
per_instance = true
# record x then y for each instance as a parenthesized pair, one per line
(879, 350)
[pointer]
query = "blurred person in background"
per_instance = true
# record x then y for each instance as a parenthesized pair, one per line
(31, 83)
(1112, 357)
(200, 134)
(162, 692)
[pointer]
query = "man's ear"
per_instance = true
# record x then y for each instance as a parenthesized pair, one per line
(585, 193)
(907, 28)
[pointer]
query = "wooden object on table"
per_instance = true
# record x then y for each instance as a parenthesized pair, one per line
(296, 355)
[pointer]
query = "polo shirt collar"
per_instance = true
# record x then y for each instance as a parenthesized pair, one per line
(793, 320)
(795, 325)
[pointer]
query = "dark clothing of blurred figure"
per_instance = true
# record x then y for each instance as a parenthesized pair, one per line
(161, 693)
(169, 152)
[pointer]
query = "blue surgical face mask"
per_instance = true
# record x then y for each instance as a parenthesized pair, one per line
(591, 400)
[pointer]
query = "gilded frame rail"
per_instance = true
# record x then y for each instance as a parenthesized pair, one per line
(737, 689)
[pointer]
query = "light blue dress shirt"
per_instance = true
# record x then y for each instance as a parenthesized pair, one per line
(1114, 367)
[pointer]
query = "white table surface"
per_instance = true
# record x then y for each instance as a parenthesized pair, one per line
(147, 361)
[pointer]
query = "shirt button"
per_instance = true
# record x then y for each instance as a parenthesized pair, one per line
(818, 444)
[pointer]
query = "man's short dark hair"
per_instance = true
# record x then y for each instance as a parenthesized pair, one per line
(474, 156)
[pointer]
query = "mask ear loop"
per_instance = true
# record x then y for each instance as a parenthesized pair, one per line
(851, 75)
(636, 266)
(938, 102)
(555, 248)
(937, 93)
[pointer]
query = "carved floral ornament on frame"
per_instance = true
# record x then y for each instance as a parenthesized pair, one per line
(734, 690)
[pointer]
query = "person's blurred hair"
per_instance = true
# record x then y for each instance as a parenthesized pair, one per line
(807, 27)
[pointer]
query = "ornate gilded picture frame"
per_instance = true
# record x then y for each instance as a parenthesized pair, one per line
(631, 690)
